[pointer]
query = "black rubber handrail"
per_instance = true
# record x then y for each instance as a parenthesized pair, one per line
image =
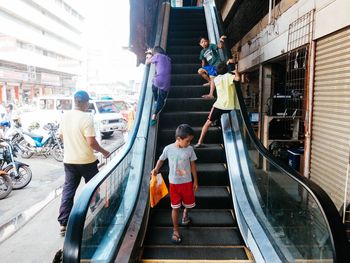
(336, 227)
(73, 238)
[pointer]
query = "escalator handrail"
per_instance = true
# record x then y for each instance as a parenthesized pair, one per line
(73, 238)
(326, 205)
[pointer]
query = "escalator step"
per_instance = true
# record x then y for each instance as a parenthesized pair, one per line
(186, 34)
(210, 153)
(190, 91)
(208, 174)
(186, 27)
(166, 134)
(187, 79)
(178, 253)
(172, 50)
(193, 118)
(185, 68)
(195, 236)
(207, 197)
(189, 59)
(193, 40)
(174, 104)
(200, 217)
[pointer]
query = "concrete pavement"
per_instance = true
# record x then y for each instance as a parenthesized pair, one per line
(29, 231)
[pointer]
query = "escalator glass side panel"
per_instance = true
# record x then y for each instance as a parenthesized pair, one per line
(289, 213)
(111, 205)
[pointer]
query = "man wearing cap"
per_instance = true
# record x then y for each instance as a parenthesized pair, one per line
(78, 134)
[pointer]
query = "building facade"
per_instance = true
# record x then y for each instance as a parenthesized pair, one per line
(40, 48)
(295, 62)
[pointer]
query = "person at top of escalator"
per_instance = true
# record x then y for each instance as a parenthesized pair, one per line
(161, 80)
(226, 97)
(182, 167)
(210, 59)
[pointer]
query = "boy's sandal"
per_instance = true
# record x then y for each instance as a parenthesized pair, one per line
(175, 238)
(153, 122)
(206, 84)
(199, 145)
(186, 221)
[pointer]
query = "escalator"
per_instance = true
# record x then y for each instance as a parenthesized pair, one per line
(214, 233)
(245, 211)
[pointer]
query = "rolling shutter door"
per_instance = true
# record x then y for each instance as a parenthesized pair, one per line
(331, 115)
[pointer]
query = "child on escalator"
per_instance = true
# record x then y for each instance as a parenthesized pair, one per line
(182, 167)
(161, 80)
(226, 97)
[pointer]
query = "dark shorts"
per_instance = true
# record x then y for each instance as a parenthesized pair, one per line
(216, 113)
(182, 193)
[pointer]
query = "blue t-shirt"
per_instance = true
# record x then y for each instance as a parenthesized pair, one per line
(179, 163)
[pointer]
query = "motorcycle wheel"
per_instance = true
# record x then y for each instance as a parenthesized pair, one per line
(25, 152)
(24, 176)
(57, 153)
(5, 186)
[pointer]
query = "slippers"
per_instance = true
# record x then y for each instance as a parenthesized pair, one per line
(153, 122)
(199, 145)
(175, 238)
(206, 84)
(186, 221)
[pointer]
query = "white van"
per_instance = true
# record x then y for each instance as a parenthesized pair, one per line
(107, 117)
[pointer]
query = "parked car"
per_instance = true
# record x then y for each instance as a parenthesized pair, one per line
(107, 116)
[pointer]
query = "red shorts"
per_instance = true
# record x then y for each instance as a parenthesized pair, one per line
(182, 193)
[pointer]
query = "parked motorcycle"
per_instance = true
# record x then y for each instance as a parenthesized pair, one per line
(49, 144)
(5, 185)
(19, 172)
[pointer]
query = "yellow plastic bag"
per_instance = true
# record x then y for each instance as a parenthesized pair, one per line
(157, 189)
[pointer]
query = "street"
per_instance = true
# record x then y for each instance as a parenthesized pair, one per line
(35, 208)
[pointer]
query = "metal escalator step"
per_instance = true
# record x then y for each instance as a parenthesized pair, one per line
(185, 41)
(185, 34)
(185, 68)
(207, 197)
(183, 49)
(209, 174)
(176, 104)
(195, 236)
(187, 79)
(188, 91)
(167, 132)
(200, 217)
(172, 254)
(174, 119)
(188, 59)
(211, 153)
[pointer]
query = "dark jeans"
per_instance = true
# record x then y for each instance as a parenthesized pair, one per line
(73, 175)
(160, 98)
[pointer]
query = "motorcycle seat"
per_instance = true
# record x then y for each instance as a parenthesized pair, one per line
(33, 135)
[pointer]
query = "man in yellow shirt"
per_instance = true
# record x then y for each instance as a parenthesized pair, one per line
(226, 98)
(78, 134)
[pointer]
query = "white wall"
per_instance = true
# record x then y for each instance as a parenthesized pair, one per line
(271, 41)
(331, 15)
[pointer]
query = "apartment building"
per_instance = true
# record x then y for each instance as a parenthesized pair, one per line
(40, 48)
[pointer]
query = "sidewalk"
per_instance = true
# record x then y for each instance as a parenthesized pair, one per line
(37, 240)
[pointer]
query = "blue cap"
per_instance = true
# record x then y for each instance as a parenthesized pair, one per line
(81, 96)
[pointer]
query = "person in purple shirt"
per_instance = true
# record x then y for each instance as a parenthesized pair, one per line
(161, 80)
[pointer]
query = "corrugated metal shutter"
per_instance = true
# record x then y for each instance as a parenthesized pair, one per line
(331, 114)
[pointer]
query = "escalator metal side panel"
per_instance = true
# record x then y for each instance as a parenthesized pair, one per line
(251, 230)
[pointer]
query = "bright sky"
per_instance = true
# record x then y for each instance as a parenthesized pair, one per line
(107, 23)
